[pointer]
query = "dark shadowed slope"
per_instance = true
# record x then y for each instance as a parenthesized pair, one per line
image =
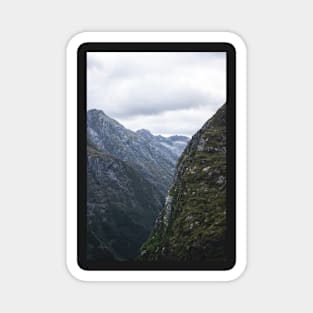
(122, 206)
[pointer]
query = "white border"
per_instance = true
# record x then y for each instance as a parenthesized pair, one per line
(241, 194)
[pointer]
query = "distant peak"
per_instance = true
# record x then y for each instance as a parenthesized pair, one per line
(178, 137)
(144, 133)
(100, 115)
(95, 116)
(96, 112)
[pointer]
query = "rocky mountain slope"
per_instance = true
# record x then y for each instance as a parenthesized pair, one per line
(128, 176)
(121, 208)
(145, 152)
(191, 226)
(173, 145)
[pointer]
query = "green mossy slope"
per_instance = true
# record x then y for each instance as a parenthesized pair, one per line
(191, 226)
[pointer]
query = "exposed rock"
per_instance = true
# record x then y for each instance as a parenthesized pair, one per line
(206, 169)
(195, 229)
(154, 157)
(128, 177)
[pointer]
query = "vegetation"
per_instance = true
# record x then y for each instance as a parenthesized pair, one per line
(191, 226)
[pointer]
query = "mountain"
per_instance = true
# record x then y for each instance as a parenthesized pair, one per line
(145, 152)
(128, 175)
(175, 144)
(192, 224)
(121, 207)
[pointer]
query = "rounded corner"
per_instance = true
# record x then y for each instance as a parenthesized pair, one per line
(77, 271)
(81, 264)
(230, 265)
(76, 41)
(236, 41)
(237, 270)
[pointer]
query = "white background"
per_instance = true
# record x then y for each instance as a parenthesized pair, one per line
(33, 277)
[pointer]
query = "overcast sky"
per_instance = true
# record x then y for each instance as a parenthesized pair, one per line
(166, 93)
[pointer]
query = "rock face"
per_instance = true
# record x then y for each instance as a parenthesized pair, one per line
(128, 176)
(153, 156)
(192, 224)
(173, 145)
(121, 208)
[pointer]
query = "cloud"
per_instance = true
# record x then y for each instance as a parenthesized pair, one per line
(183, 122)
(160, 88)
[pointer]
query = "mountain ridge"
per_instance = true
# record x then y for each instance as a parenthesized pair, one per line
(128, 176)
(192, 224)
(150, 157)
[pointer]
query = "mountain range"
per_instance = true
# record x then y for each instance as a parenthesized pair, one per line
(128, 176)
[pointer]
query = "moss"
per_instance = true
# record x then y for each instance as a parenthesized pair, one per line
(197, 223)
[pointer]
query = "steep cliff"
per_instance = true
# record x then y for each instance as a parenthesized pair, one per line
(121, 207)
(192, 224)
